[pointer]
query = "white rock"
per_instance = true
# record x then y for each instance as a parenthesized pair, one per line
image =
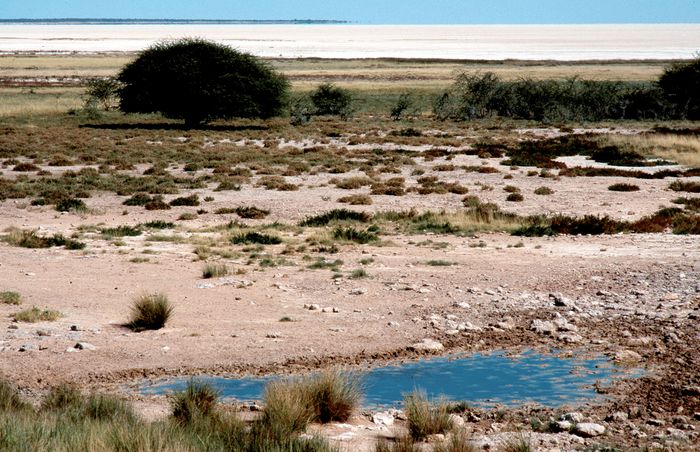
(358, 291)
(428, 345)
(573, 416)
(627, 356)
(457, 421)
(589, 429)
(383, 418)
(85, 346)
(542, 326)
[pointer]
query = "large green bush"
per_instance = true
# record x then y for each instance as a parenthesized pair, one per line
(680, 83)
(199, 81)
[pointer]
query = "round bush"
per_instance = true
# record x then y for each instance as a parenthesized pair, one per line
(199, 81)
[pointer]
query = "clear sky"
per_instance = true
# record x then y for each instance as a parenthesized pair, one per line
(369, 11)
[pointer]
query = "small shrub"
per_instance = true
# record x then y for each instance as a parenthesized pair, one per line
(251, 212)
(425, 418)
(329, 99)
(356, 200)
(404, 104)
(121, 231)
(688, 187)
(10, 297)
(150, 312)
(288, 409)
(64, 397)
(354, 235)
(511, 189)
(256, 237)
(440, 263)
(214, 271)
(515, 197)
(35, 315)
(334, 396)
(623, 187)
(68, 204)
(157, 224)
(322, 263)
(278, 183)
(139, 199)
(359, 274)
(336, 215)
(157, 203)
(192, 200)
(351, 183)
(543, 191)
(25, 167)
(198, 400)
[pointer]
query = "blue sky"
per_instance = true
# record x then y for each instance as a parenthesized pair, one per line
(370, 11)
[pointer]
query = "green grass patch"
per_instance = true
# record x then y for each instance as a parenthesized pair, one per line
(35, 315)
(255, 238)
(10, 297)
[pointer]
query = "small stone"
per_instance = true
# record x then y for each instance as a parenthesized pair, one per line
(273, 335)
(358, 291)
(564, 426)
(655, 422)
(27, 347)
(617, 416)
(427, 345)
(627, 356)
(542, 327)
(84, 346)
(573, 416)
(336, 310)
(13, 327)
(563, 325)
(570, 338)
(393, 323)
(457, 421)
(43, 333)
(589, 429)
(559, 300)
(383, 418)
(312, 307)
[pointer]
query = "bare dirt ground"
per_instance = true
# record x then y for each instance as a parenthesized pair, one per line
(633, 297)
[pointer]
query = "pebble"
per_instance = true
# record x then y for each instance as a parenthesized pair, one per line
(589, 429)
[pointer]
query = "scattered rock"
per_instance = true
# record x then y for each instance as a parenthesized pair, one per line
(312, 307)
(427, 345)
(627, 356)
(273, 335)
(542, 327)
(358, 291)
(589, 429)
(573, 416)
(383, 418)
(457, 421)
(27, 347)
(570, 338)
(617, 416)
(84, 346)
(563, 426)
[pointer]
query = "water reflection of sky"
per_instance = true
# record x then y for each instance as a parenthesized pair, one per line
(487, 380)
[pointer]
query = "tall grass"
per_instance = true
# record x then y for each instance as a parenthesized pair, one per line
(425, 418)
(150, 312)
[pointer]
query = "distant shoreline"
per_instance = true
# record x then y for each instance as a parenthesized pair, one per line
(76, 21)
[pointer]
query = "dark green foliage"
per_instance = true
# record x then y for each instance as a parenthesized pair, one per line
(336, 215)
(690, 204)
(256, 237)
(354, 235)
(198, 81)
(150, 312)
(122, 231)
(25, 167)
(680, 83)
(192, 200)
(68, 204)
(197, 400)
(158, 224)
(104, 92)
(623, 187)
(138, 199)
(404, 104)
(329, 99)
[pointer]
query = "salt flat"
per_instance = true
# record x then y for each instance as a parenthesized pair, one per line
(490, 42)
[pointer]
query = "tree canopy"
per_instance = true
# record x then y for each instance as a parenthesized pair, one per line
(199, 81)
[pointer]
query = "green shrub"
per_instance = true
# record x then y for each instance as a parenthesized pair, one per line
(404, 104)
(139, 199)
(68, 204)
(197, 400)
(543, 191)
(425, 418)
(515, 197)
(35, 314)
(680, 84)
(251, 212)
(356, 200)
(10, 297)
(198, 81)
(351, 234)
(336, 215)
(150, 312)
(157, 224)
(329, 99)
(688, 187)
(334, 395)
(256, 237)
(121, 231)
(102, 91)
(288, 408)
(192, 200)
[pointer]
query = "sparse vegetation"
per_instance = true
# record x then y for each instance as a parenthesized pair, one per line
(150, 312)
(214, 271)
(623, 187)
(425, 418)
(35, 315)
(255, 237)
(335, 216)
(10, 297)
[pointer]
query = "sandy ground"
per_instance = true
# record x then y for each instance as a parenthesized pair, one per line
(633, 297)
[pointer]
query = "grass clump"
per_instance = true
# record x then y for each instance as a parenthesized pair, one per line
(334, 395)
(255, 238)
(688, 187)
(30, 239)
(192, 200)
(359, 273)
(121, 231)
(214, 271)
(515, 197)
(251, 212)
(351, 234)
(278, 183)
(336, 215)
(68, 204)
(623, 187)
(35, 315)
(10, 399)
(150, 312)
(356, 200)
(10, 297)
(157, 224)
(440, 263)
(198, 400)
(543, 191)
(321, 263)
(425, 418)
(138, 199)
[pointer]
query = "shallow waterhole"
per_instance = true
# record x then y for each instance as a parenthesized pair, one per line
(496, 378)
